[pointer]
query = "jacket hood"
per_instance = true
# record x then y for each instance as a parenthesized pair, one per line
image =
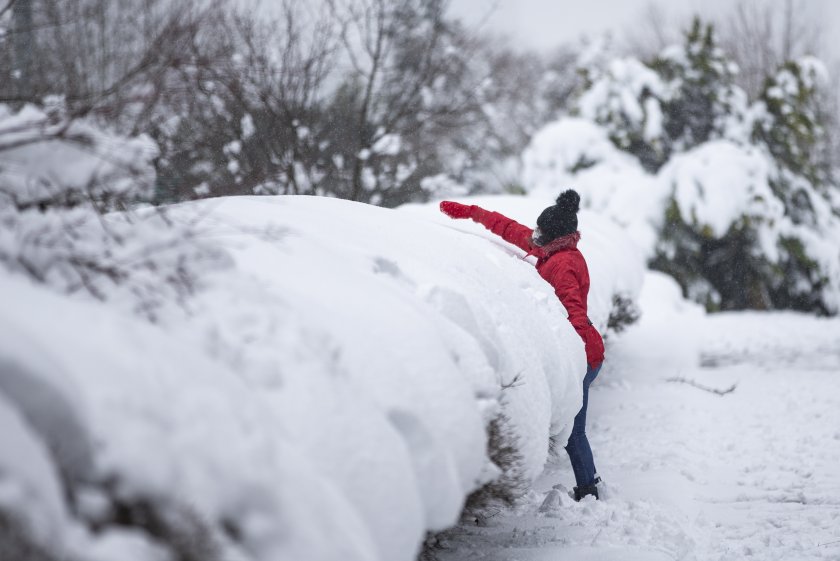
(568, 241)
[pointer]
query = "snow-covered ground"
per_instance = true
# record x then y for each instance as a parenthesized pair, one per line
(751, 474)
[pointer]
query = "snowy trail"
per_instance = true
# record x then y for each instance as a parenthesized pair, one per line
(753, 474)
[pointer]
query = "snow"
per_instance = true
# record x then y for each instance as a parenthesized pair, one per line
(561, 148)
(158, 410)
(625, 95)
(718, 182)
(348, 357)
(387, 145)
(29, 484)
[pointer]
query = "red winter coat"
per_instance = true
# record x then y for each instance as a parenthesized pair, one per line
(562, 265)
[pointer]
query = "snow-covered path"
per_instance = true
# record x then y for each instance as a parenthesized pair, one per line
(753, 474)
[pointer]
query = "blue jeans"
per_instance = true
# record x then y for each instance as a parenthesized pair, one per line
(580, 454)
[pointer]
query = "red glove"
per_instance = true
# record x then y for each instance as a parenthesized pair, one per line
(455, 210)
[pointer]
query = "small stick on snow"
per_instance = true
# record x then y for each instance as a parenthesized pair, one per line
(702, 387)
(828, 543)
(514, 383)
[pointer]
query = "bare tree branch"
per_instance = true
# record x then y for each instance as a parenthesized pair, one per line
(680, 380)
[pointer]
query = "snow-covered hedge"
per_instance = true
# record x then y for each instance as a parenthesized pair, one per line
(325, 395)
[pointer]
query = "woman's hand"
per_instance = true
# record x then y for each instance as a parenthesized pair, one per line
(455, 210)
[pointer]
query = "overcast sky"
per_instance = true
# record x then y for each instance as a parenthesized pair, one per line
(543, 24)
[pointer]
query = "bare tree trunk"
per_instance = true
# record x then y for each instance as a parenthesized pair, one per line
(24, 39)
(787, 47)
(376, 56)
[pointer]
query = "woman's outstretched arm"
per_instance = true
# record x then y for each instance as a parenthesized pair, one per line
(509, 230)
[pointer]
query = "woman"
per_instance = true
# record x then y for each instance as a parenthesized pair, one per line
(554, 243)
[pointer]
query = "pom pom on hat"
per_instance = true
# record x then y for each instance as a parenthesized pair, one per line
(569, 201)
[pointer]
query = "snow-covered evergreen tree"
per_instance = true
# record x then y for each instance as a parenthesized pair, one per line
(702, 96)
(736, 193)
(790, 123)
(626, 97)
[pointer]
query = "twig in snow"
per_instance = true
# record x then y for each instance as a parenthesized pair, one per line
(514, 383)
(828, 543)
(715, 391)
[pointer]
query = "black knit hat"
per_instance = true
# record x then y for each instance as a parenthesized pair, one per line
(559, 219)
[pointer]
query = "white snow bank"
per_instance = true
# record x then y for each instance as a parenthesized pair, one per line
(664, 310)
(325, 398)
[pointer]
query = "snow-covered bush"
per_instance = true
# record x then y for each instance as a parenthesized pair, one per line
(732, 199)
(71, 197)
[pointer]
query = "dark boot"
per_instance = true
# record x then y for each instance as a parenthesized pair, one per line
(585, 490)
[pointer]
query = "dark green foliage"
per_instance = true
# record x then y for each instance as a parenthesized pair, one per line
(798, 280)
(704, 77)
(720, 273)
(623, 313)
(730, 273)
(791, 130)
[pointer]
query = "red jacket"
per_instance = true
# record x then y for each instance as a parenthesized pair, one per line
(562, 265)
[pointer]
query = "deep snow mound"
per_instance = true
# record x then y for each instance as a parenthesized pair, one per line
(334, 381)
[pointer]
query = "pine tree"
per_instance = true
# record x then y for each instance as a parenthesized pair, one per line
(625, 97)
(683, 98)
(701, 81)
(790, 125)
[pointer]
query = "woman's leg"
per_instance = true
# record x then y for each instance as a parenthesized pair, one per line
(580, 453)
